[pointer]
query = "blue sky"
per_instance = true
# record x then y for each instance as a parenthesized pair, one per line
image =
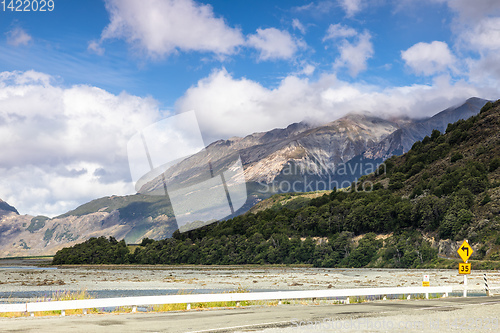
(77, 82)
(60, 39)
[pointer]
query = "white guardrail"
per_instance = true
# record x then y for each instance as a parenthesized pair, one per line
(227, 297)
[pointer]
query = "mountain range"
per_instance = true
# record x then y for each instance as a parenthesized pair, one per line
(281, 160)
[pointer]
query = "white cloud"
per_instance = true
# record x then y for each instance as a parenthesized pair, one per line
(296, 24)
(472, 11)
(485, 35)
(354, 55)
(54, 139)
(321, 7)
(476, 38)
(428, 58)
(228, 106)
(308, 69)
(18, 36)
(338, 30)
(161, 27)
(95, 47)
(355, 48)
(485, 71)
(351, 7)
(274, 44)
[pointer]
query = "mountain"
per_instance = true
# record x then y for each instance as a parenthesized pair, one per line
(305, 158)
(302, 157)
(5, 208)
(401, 140)
(297, 154)
(124, 217)
(416, 212)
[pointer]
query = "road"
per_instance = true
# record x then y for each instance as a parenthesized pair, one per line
(439, 315)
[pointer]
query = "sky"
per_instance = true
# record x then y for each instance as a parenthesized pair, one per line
(77, 82)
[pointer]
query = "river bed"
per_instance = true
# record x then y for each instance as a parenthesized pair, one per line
(23, 280)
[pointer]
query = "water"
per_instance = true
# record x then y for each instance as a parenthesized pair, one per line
(27, 267)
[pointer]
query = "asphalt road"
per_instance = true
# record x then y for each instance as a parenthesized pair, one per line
(439, 315)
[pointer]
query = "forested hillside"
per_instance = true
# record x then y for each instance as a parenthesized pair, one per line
(446, 187)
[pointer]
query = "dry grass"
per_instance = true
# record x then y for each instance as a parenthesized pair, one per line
(57, 296)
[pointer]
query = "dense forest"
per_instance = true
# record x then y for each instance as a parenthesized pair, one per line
(446, 187)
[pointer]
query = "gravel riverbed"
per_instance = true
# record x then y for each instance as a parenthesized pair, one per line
(20, 280)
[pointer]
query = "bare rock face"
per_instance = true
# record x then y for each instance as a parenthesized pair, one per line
(265, 155)
(448, 248)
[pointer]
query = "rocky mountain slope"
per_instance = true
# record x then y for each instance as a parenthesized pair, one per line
(304, 158)
(281, 160)
(401, 140)
(130, 217)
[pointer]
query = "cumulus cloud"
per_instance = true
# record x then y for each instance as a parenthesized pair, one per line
(296, 24)
(54, 138)
(228, 106)
(160, 28)
(485, 35)
(18, 36)
(477, 37)
(58, 138)
(95, 47)
(274, 44)
(355, 48)
(351, 7)
(485, 71)
(338, 30)
(307, 69)
(428, 58)
(354, 55)
(472, 11)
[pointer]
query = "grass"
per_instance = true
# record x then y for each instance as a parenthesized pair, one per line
(57, 296)
(66, 296)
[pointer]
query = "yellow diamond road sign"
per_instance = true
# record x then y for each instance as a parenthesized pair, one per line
(465, 251)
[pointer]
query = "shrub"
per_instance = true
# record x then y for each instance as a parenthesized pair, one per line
(494, 164)
(457, 156)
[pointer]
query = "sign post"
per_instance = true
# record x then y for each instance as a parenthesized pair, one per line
(465, 251)
(425, 281)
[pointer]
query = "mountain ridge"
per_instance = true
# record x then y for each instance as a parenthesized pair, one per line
(266, 158)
